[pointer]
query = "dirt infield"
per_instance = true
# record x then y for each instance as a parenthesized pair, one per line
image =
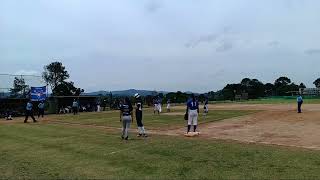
(276, 124)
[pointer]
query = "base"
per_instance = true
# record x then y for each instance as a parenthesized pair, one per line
(192, 134)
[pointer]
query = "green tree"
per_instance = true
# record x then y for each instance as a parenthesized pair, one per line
(302, 86)
(269, 89)
(54, 74)
(253, 87)
(282, 81)
(211, 95)
(246, 82)
(67, 89)
(19, 87)
(256, 89)
(282, 86)
(231, 90)
(317, 83)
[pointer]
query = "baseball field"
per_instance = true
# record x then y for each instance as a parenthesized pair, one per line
(238, 141)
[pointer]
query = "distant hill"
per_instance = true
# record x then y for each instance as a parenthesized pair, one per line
(129, 92)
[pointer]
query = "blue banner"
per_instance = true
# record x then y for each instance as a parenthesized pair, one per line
(38, 93)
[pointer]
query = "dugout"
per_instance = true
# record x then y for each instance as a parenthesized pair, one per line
(15, 105)
(57, 102)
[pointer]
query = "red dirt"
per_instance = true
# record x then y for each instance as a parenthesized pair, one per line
(277, 124)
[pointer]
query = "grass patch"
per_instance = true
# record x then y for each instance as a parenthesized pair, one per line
(151, 121)
(43, 151)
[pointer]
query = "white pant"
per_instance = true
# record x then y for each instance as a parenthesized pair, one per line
(206, 108)
(157, 107)
(98, 108)
(141, 130)
(193, 117)
(168, 106)
(126, 121)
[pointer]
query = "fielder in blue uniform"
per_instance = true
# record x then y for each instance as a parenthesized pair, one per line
(75, 107)
(41, 109)
(29, 112)
(300, 102)
(193, 111)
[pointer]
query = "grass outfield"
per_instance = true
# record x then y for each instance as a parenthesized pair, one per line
(44, 151)
(56, 151)
(164, 121)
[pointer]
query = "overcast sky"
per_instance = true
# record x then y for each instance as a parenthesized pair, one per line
(190, 45)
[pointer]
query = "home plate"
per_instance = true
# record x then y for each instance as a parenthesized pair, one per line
(192, 134)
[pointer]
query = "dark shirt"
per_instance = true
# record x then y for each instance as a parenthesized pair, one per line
(126, 109)
(139, 108)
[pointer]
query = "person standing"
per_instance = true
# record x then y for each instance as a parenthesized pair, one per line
(41, 109)
(206, 107)
(139, 105)
(156, 106)
(168, 105)
(75, 107)
(29, 112)
(193, 111)
(98, 107)
(159, 105)
(300, 102)
(126, 117)
(8, 114)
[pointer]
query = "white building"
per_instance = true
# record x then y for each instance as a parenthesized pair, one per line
(310, 91)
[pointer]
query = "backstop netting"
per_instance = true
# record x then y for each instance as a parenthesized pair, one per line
(7, 82)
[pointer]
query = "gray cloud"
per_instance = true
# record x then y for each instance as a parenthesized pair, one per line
(224, 45)
(219, 40)
(312, 51)
(273, 43)
(111, 36)
(153, 6)
(202, 39)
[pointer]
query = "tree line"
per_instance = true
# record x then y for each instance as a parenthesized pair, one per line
(56, 75)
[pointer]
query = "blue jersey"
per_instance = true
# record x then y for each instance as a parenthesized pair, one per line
(193, 105)
(29, 106)
(299, 99)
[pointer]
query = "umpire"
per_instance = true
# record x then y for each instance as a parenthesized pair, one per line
(300, 102)
(41, 109)
(29, 112)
